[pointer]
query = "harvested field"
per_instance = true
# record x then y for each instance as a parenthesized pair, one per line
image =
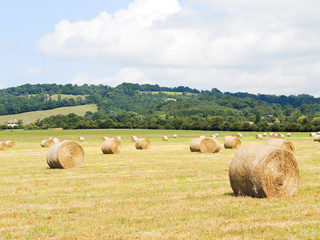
(166, 192)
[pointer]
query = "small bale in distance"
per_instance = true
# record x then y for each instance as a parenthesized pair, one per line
(175, 135)
(65, 154)
(258, 136)
(209, 145)
(81, 139)
(281, 143)
(3, 146)
(239, 135)
(46, 143)
(264, 172)
(134, 138)
(10, 144)
(213, 136)
(312, 134)
(231, 142)
(289, 134)
(280, 135)
(143, 144)
(164, 138)
(111, 146)
(264, 134)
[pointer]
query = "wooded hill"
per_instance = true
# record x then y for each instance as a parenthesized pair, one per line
(151, 106)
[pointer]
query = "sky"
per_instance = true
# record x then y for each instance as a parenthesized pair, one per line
(266, 47)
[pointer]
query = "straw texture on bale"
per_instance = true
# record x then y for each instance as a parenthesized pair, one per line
(264, 171)
(46, 143)
(209, 145)
(65, 154)
(239, 135)
(316, 138)
(281, 143)
(258, 136)
(231, 142)
(3, 146)
(134, 138)
(81, 139)
(10, 144)
(164, 138)
(143, 143)
(111, 146)
(195, 145)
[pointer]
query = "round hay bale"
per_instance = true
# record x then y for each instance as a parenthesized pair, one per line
(46, 143)
(10, 144)
(3, 146)
(104, 138)
(213, 136)
(111, 146)
(81, 139)
(264, 171)
(312, 134)
(143, 143)
(175, 135)
(56, 140)
(264, 134)
(275, 135)
(118, 137)
(195, 145)
(258, 136)
(164, 138)
(134, 138)
(209, 145)
(271, 134)
(289, 134)
(65, 154)
(217, 135)
(231, 142)
(316, 138)
(280, 135)
(239, 135)
(281, 143)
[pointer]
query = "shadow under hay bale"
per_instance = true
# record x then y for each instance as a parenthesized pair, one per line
(209, 145)
(3, 146)
(231, 142)
(65, 154)
(143, 144)
(111, 146)
(281, 143)
(264, 171)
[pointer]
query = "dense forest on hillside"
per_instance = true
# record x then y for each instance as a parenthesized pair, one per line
(151, 106)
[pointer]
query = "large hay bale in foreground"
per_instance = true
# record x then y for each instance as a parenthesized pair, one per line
(209, 145)
(143, 143)
(10, 144)
(231, 142)
(195, 144)
(111, 146)
(281, 143)
(264, 171)
(65, 154)
(46, 143)
(3, 146)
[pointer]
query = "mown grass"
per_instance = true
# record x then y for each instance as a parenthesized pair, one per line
(165, 192)
(34, 116)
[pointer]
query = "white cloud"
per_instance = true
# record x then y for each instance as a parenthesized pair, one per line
(32, 72)
(128, 75)
(236, 45)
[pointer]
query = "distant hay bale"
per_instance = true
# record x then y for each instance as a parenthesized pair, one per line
(143, 143)
(81, 139)
(318, 133)
(258, 136)
(264, 134)
(104, 138)
(164, 138)
(264, 171)
(271, 134)
(275, 135)
(312, 134)
(209, 145)
(134, 138)
(175, 135)
(239, 135)
(289, 134)
(281, 143)
(316, 138)
(111, 146)
(118, 137)
(231, 142)
(195, 145)
(217, 135)
(46, 143)
(10, 144)
(56, 140)
(65, 154)
(280, 135)
(3, 146)
(213, 136)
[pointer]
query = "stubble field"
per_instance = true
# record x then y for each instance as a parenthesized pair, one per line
(166, 192)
